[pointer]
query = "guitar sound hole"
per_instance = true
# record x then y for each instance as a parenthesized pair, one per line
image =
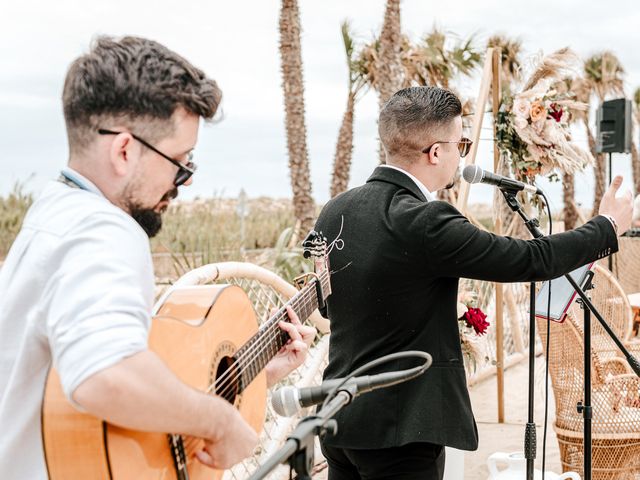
(227, 379)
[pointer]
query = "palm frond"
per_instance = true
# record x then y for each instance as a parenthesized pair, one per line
(465, 57)
(347, 39)
(366, 61)
(605, 74)
(510, 55)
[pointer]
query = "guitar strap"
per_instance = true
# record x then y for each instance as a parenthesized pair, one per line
(69, 181)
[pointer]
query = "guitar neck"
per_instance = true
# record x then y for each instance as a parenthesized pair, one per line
(254, 355)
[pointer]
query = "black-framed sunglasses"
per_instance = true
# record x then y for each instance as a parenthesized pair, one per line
(464, 146)
(185, 170)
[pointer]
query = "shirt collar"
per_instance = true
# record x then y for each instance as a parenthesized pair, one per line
(420, 185)
(80, 180)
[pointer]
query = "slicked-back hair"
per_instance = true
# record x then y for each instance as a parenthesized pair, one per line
(413, 118)
(136, 82)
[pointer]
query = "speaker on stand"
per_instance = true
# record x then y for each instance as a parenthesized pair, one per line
(613, 121)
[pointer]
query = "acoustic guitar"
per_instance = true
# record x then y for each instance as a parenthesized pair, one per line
(208, 335)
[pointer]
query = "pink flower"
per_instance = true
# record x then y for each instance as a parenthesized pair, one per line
(474, 317)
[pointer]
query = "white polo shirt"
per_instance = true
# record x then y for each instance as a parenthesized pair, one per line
(76, 291)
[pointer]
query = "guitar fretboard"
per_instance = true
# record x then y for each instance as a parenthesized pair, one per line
(254, 355)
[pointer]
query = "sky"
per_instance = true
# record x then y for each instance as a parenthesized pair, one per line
(236, 43)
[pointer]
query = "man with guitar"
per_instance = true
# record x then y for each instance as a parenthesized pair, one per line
(76, 289)
(395, 287)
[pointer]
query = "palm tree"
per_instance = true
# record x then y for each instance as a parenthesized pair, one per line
(603, 73)
(293, 86)
(388, 64)
(344, 146)
(510, 53)
(432, 62)
(635, 159)
(368, 62)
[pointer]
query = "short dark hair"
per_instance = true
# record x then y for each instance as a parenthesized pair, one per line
(410, 113)
(135, 81)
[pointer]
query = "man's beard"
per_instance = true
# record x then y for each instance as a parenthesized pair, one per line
(150, 219)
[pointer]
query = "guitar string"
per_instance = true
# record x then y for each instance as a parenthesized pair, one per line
(264, 341)
(304, 299)
(269, 326)
(259, 346)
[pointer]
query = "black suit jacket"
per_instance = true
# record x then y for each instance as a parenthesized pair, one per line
(395, 286)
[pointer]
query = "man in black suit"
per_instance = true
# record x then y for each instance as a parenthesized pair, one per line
(396, 281)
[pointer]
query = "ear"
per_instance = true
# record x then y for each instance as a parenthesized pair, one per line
(122, 154)
(435, 152)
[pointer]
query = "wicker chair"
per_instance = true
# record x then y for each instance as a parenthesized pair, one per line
(626, 264)
(615, 401)
(266, 290)
(613, 304)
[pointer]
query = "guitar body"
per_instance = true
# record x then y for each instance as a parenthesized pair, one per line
(196, 332)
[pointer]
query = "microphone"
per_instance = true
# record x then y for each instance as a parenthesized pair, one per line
(475, 174)
(289, 400)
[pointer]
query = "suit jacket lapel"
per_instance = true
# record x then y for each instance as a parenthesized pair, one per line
(391, 175)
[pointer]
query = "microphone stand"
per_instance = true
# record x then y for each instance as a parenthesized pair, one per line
(586, 409)
(298, 450)
(530, 430)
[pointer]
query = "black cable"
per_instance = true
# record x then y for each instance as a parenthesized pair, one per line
(417, 371)
(546, 369)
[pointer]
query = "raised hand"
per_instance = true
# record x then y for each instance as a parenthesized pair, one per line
(619, 208)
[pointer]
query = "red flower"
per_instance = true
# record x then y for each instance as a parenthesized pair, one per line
(474, 317)
(555, 111)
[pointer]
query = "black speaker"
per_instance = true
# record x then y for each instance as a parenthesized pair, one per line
(614, 126)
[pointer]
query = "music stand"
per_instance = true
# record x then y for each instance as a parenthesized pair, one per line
(558, 311)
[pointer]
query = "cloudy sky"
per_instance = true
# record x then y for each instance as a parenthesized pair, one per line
(237, 44)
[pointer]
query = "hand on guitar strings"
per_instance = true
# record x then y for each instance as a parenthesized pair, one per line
(294, 352)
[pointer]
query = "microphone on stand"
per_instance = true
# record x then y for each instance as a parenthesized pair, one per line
(288, 401)
(475, 174)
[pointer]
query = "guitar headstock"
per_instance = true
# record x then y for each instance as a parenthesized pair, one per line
(315, 245)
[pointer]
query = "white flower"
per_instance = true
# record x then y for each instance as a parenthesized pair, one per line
(462, 309)
(521, 108)
(520, 123)
(538, 126)
(549, 130)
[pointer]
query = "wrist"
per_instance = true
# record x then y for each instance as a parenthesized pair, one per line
(614, 224)
(271, 374)
(220, 419)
